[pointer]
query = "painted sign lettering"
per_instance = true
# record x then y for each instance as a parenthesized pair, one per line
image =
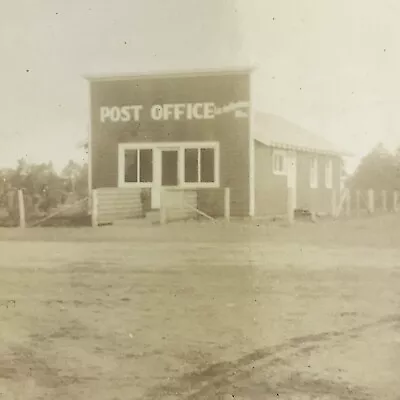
(176, 112)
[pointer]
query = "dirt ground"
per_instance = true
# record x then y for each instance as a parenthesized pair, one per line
(202, 311)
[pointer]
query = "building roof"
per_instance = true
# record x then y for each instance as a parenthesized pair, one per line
(170, 73)
(276, 131)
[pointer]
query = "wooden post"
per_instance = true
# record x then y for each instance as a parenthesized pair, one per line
(395, 200)
(21, 209)
(95, 208)
(163, 207)
(358, 202)
(384, 200)
(227, 204)
(290, 207)
(348, 202)
(371, 202)
(333, 203)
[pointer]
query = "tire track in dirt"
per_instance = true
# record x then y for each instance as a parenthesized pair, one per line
(207, 382)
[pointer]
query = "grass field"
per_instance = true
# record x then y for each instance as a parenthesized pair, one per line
(197, 311)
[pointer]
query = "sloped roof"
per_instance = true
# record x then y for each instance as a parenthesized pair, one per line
(276, 131)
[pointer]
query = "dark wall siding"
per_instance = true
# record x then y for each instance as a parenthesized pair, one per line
(232, 133)
(271, 190)
(316, 199)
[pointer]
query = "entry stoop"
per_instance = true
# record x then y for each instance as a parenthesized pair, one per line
(133, 222)
(153, 216)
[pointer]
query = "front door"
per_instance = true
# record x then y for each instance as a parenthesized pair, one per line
(165, 173)
(292, 175)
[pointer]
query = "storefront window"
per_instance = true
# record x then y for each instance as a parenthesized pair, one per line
(138, 165)
(131, 166)
(191, 165)
(207, 167)
(199, 165)
(186, 164)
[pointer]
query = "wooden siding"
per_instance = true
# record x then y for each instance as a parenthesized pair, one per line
(231, 133)
(317, 199)
(179, 204)
(115, 204)
(211, 202)
(271, 190)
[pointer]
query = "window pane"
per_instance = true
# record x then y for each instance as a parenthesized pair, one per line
(313, 172)
(131, 166)
(279, 163)
(191, 165)
(146, 165)
(328, 174)
(207, 165)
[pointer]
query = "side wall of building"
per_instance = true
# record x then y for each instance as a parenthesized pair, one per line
(317, 199)
(271, 189)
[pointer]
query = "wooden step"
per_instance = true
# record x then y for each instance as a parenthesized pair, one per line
(132, 222)
(153, 216)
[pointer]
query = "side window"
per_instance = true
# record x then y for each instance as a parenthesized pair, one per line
(329, 174)
(279, 162)
(314, 172)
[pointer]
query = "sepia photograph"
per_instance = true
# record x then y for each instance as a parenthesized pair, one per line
(200, 200)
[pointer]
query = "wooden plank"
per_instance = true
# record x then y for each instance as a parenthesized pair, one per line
(21, 209)
(290, 207)
(227, 204)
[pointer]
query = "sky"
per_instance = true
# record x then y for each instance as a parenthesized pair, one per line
(330, 66)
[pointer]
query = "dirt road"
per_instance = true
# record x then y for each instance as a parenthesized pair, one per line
(240, 313)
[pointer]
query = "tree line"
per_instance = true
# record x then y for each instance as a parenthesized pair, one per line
(42, 179)
(378, 170)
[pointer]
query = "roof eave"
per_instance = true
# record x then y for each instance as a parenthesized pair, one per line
(286, 146)
(169, 73)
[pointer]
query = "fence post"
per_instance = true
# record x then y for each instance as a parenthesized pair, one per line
(227, 204)
(348, 202)
(384, 200)
(95, 208)
(333, 203)
(163, 208)
(21, 209)
(371, 202)
(290, 208)
(395, 199)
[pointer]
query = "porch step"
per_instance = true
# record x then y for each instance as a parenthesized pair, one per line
(153, 216)
(132, 222)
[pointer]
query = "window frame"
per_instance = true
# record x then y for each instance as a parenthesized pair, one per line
(283, 154)
(181, 147)
(199, 176)
(329, 174)
(313, 172)
(138, 166)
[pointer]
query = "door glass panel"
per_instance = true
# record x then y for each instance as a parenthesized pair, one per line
(169, 165)
(146, 165)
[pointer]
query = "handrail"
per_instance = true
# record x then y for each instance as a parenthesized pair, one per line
(200, 212)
